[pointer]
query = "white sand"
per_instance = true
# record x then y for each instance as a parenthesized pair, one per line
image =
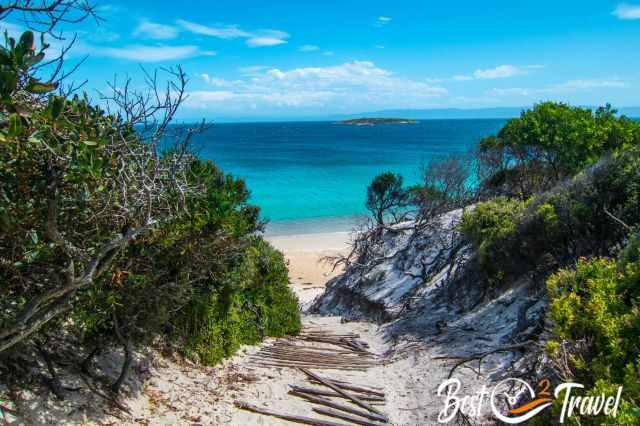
(307, 272)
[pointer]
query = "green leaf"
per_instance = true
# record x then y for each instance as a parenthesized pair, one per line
(34, 60)
(36, 137)
(15, 125)
(27, 40)
(56, 104)
(90, 143)
(37, 87)
(5, 57)
(8, 82)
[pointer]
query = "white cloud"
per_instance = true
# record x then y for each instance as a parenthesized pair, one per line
(267, 38)
(512, 91)
(221, 82)
(257, 38)
(252, 70)
(264, 41)
(155, 31)
(627, 11)
(143, 53)
(383, 20)
(224, 32)
(501, 71)
(592, 84)
(356, 83)
(328, 53)
(569, 86)
(308, 48)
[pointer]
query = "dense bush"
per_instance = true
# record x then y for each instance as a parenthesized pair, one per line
(579, 217)
(490, 222)
(248, 302)
(107, 238)
(549, 143)
(596, 311)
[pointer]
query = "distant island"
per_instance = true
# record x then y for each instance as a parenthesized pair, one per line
(375, 121)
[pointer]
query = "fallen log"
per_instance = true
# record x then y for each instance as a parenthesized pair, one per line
(338, 406)
(296, 419)
(347, 395)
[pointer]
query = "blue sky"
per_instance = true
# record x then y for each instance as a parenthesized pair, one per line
(273, 59)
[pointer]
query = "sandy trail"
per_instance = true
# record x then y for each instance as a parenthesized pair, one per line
(409, 378)
(167, 391)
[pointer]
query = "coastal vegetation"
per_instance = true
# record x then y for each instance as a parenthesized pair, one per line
(551, 201)
(112, 231)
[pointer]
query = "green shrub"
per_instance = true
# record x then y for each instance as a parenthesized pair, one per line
(102, 235)
(598, 304)
(553, 229)
(551, 142)
(249, 302)
(489, 222)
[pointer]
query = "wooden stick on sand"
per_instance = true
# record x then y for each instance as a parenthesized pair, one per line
(353, 398)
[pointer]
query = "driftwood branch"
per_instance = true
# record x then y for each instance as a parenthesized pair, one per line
(481, 355)
(618, 220)
(345, 394)
(296, 419)
(338, 406)
(339, 415)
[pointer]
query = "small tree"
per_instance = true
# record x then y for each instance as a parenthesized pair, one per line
(445, 187)
(385, 196)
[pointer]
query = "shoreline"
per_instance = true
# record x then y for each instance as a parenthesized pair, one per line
(312, 226)
(308, 274)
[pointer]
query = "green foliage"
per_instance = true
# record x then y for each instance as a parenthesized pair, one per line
(598, 303)
(489, 222)
(74, 178)
(551, 142)
(249, 301)
(556, 227)
(385, 195)
(16, 61)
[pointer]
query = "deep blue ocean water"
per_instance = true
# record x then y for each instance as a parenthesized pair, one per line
(312, 176)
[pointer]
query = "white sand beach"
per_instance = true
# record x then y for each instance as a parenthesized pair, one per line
(305, 252)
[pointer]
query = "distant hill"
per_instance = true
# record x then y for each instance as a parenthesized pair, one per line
(370, 121)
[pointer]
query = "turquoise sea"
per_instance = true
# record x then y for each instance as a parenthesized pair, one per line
(312, 176)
